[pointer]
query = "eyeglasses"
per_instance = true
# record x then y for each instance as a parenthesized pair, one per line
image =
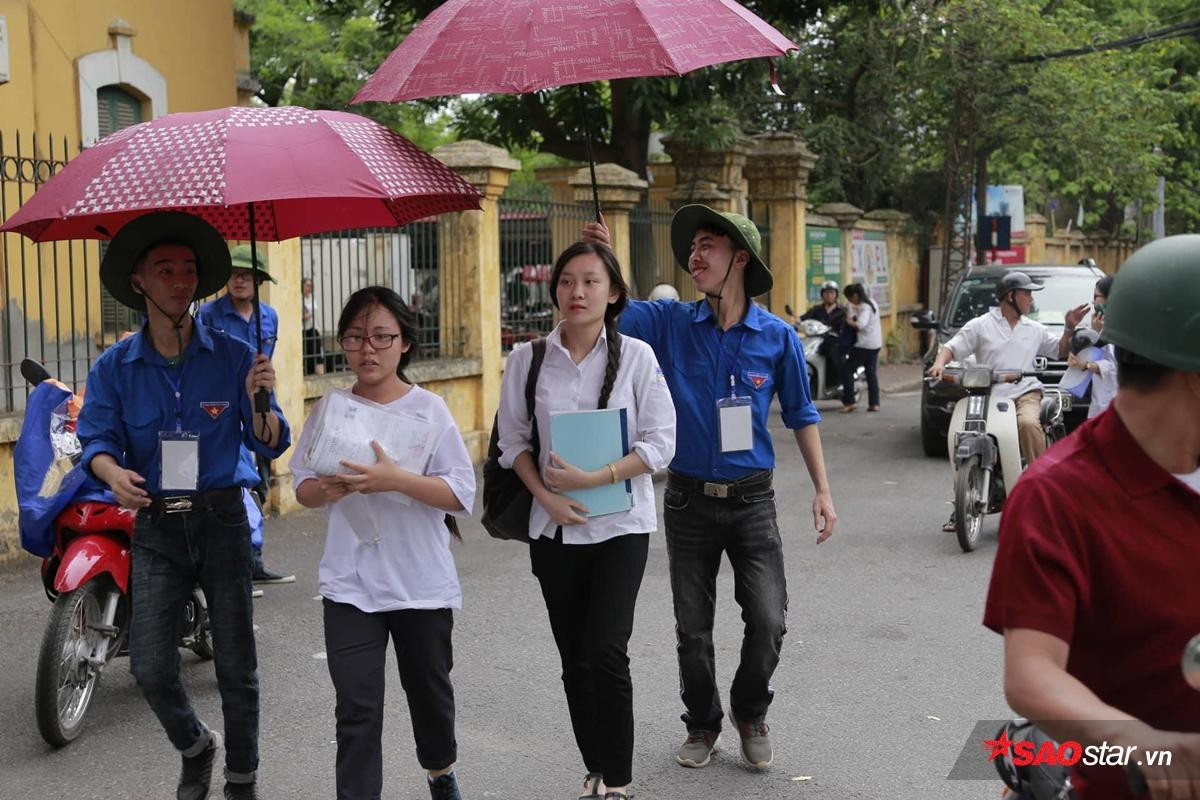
(379, 341)
(246, 275)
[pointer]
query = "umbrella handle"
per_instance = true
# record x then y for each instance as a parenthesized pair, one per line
(262, 399)
(587, 143)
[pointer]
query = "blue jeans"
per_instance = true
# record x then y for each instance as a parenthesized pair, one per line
(699, 530)
(171, 554)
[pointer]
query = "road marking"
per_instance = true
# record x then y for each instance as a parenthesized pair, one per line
(904, 394)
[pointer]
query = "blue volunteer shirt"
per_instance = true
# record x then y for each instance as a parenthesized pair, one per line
(131, 398)
(768, 362)
(222, 316)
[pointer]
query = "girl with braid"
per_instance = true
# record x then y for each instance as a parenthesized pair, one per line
(590, 568)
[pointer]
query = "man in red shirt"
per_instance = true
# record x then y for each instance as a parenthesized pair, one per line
(1096, 585)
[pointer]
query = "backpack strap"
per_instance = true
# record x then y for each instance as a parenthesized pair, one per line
(535, 367)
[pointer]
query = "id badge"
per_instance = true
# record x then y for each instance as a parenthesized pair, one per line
(735, 424)
(179, 461)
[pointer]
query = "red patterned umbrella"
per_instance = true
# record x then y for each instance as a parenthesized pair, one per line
(516, 46)
(252, 173)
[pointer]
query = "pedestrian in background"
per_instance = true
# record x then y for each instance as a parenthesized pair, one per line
(1103, 369)
(396, 581)
(863, 318)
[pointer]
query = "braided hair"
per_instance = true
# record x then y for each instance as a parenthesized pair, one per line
(611, 313)
(373, 297)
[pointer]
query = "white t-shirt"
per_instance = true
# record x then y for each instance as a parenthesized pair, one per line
(640, 388)
(998, 345)
(410, 566)
(870, 334)
(1192, 481)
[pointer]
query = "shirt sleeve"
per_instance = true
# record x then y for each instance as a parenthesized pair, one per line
(1038, 580)
(1050, 340)
(204, 315)
(963, 343)
(1107, 363)
(791, 381)
(452, 463)
(865, 316)
(512, 418)
(645, 320)
(655, 436)
(99, 428)
(300, 473)
(250, 418)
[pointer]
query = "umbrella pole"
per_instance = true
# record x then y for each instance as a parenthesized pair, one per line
(262, 400)
(587, 143)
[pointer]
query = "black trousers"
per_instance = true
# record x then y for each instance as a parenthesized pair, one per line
(590, 592)
(355, 645)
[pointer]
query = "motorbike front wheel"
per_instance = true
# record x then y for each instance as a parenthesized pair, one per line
(66, 680)
(197, 629)
(968, 504)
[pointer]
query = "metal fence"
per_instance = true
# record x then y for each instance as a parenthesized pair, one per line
(335, 265)
(532, 234)
(55, 309)
(650, 248)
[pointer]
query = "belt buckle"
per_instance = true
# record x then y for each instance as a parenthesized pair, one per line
(720, 490)
(176, 505)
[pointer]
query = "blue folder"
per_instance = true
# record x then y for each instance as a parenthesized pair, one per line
(590, 440)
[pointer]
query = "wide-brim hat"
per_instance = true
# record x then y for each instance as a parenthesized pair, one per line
(240, 258)
(737, 227)
(134, 238)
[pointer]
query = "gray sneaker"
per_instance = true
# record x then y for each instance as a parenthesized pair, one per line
(697, 751)
(756, 743)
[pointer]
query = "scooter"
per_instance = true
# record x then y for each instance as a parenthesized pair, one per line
(824, 381)
(985, 452)
(85, 573)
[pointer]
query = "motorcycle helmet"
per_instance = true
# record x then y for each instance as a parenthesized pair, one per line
(1154, 308)
(1082, 339)
(1041, 782)
(830, 285)
(664, 291)
(1012, 281)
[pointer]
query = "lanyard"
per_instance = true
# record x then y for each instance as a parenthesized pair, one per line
(175, 386)
(732, 360)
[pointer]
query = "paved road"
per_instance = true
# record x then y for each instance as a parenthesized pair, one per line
(885, 668)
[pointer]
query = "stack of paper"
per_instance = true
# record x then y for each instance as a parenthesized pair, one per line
(347, 425)
(591, 440)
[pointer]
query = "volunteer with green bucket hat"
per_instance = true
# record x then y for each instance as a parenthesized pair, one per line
(233, 313)
(724, 359)
(166, 414)
(1094, 581)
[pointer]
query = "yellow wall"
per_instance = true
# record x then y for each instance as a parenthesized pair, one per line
(189, 42)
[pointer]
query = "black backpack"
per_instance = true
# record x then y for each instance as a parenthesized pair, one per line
(506, 499)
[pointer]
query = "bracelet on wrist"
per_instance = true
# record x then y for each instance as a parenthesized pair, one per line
(613, 469)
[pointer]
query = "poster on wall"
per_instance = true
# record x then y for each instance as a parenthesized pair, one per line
(824, 258)
(870, 267)
(1006, 201)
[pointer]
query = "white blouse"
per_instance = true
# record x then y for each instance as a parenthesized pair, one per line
(386, 551)
(869, 335)
(640, 388)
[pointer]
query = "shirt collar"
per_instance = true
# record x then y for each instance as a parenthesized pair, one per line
(1124, 457)
(555, 338)
(141, 349)
(702, 311)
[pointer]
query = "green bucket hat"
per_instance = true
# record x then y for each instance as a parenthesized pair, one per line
(737, 227)
(136, 236)
(240, 259)
(1154, 304)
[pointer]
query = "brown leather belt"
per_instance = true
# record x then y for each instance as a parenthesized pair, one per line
(754, 483)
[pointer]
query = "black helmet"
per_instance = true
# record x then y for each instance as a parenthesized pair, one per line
(1011, 281)
(1082, 339)
(1041, 782)
(1088, 262)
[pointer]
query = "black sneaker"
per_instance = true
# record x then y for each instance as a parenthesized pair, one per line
(196, 776)
(264, 575)
(241, 791)
(444, 787)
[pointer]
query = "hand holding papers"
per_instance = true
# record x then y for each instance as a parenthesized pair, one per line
(589, 440)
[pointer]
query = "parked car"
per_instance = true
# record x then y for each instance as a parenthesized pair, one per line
(973, 294)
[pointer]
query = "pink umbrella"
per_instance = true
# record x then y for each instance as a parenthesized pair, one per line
(252, 173)
(516, 46)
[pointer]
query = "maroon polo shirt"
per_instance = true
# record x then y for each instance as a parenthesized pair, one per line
(1100, 547)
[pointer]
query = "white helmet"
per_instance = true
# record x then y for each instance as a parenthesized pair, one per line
(664, 291)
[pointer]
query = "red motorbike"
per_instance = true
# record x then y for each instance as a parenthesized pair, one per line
(86, 571)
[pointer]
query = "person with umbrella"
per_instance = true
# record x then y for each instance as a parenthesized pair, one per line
(167, 412)
(234, 313)
(728, 357)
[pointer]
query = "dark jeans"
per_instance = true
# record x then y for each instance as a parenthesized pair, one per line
(590, 592)
(171, 553)
(699, 530)
(356, 646)
(869, 360)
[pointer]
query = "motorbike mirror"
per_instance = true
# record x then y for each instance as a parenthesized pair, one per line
(1191, 663)
(924, 321)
